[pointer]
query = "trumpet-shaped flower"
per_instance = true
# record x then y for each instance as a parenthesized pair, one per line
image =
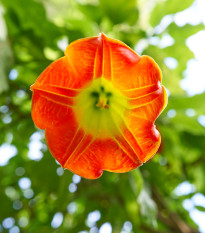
(98, 105)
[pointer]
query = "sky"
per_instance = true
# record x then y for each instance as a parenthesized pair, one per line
(194, 76)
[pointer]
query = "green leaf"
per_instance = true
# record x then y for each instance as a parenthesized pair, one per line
(179, 49)
(182, 103)
(119, 11)
(182, 122)
(32, 16)
(182, 33)
(200, 208)
(148, 208)
(136, 181)
(92, 12)
(167, 7)
(5, 64)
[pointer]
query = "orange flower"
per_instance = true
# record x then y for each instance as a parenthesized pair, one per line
(98, 105)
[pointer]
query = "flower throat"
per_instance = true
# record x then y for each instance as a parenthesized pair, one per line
(100, 108)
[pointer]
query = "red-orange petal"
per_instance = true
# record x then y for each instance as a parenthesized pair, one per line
(128, 70)
(102, 155)
(151, 110)
(145, 134)
(53, 103)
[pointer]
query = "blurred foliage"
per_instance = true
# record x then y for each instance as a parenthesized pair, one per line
(139, 201)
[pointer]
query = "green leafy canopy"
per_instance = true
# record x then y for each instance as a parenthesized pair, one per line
(33, 187)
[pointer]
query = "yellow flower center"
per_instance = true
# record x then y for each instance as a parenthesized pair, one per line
(100, 108)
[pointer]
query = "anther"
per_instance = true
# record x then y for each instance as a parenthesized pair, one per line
(102, 103)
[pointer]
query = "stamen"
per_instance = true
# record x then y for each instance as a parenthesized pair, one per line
(106, 106)
(102, 103)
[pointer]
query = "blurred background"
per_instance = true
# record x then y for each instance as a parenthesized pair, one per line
(164, 195)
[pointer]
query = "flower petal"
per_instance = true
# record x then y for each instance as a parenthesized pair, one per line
(102, 155)
(127, 69)
(85, 58)
(60, 136)
(150, 110)
(141, 91)
(134, 137)
(145, 134)
(45, 112)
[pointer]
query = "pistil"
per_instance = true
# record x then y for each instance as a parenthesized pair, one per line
(102, 103)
